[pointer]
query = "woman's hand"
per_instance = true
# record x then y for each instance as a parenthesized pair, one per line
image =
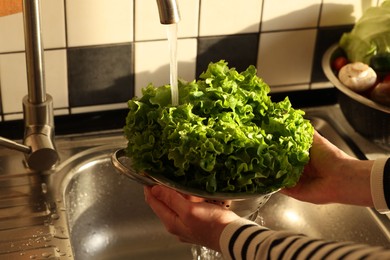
(333, 176)
(330, 176)
(190, 219)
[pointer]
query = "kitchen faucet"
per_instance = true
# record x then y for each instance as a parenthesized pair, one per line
(38, 143)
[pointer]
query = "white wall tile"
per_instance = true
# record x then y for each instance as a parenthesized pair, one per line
(287, 88)
(56, 77)
(61, 112)
(286, 64)
(189, 13)
(147, 20)
(53, 23)
(13, 79)
(149, 69)
(10, 117)
(336, 12)
(287, 14)
(94, 22)
(11, 33)
(53, 28)
(89, 109)
(222, 17)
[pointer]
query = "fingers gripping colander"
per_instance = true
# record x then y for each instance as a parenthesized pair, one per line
(243, 204)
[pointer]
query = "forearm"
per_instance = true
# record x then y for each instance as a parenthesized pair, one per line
(363, 183)
(353, 183)
(357, 182)
(244, 239)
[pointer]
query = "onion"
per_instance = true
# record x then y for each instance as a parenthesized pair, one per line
(357, 76)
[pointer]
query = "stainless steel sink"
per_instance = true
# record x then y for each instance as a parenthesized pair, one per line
(103, 215)
(108, 218)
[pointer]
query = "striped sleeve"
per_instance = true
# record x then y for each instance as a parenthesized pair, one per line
(244, 239)
(380, 185)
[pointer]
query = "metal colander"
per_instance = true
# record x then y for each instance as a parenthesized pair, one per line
(243, 204)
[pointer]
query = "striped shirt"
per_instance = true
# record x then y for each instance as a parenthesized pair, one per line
(244, 239)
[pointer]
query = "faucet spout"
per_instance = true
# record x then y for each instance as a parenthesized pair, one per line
(169, 11)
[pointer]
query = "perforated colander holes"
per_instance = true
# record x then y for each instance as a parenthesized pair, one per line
(222, 203)
(263, 201)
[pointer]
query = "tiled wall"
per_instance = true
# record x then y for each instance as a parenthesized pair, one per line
(99, 53)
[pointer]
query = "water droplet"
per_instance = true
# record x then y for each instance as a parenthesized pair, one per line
(46, 255)
(44, 187)
(59, 232)
(55, 216)
(47, 238)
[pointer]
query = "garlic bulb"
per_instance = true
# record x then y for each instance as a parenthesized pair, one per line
(357, 76)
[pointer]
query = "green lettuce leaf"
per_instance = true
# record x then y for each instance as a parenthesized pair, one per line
(226, 135)
(369, 36)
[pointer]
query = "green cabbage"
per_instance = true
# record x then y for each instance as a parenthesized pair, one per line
(225, 136)
(369, 36)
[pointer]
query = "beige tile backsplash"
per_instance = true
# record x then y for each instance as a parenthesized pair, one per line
(287, 14)
(91, 22)
(290, 61)
(222, 17)
(284, 64)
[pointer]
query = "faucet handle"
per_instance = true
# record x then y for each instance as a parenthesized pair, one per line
(169, 11)
(39, 150)
(39, 134)
(43, 155)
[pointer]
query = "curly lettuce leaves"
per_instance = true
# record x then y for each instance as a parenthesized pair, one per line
(369, 36)
(225, 136)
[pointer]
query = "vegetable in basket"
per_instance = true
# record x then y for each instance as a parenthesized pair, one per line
(368, 43)
(369, 37)
(226, 135)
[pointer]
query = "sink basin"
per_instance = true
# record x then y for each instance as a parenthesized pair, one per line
(107, 218)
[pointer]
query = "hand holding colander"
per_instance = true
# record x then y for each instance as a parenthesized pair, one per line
(243, 204)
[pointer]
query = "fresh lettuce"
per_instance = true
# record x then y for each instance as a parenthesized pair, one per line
(226, 135)
(369, 36)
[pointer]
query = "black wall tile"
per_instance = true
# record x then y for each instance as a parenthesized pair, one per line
(100, 75)
(326, 37)
(239, 51)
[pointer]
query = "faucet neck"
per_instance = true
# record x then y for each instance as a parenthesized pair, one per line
(34, 52)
